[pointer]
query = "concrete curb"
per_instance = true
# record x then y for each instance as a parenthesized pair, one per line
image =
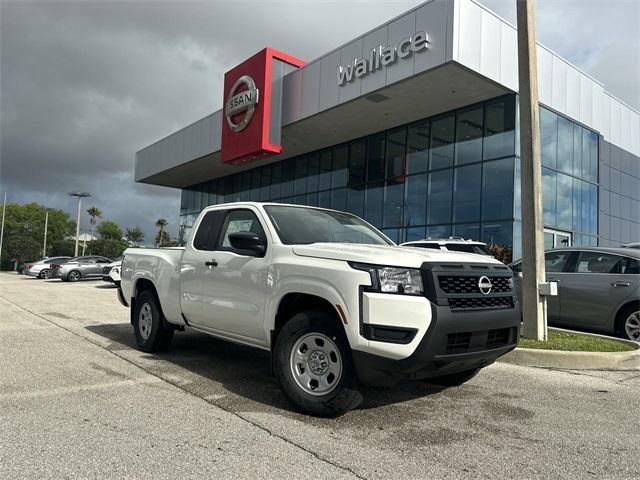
(531, 357)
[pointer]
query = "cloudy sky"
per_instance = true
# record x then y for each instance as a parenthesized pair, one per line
(85, 84)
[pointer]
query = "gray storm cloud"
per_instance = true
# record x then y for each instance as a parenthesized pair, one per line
(84, 85)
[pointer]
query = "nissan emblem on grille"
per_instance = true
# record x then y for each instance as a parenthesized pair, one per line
(244, 101)
(484, 285)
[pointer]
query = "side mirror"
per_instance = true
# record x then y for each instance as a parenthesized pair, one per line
(248, 241)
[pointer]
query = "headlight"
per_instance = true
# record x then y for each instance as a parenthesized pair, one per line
(407, 281)
(115, 270)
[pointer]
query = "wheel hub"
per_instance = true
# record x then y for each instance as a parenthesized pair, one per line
(632, 326)
(145, 321)
(318, 363)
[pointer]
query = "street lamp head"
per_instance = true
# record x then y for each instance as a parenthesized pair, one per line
(79, 194)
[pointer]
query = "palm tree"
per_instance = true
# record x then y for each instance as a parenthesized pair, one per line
(94, 213)
(134, 236)
(161, 223)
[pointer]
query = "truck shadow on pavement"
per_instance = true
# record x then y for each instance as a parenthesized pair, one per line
(215, 368)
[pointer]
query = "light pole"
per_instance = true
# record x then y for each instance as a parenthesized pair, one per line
(80, 196)
(4, 207)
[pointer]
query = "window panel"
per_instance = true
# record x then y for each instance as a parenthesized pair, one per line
(301, 169)
(469, 136)
(517, 195)
(392, 208)
(324, 177)
(593, 151)
(467, 231)
(442, 142)
(497, 198)
(548, 138)
(265, 182)
(586, 214)
(313, 168)
(499, 128)
(565, 145)
(339, 199)
(564, 205)
(415, 210)
(392, 233)
(414, 233)
(586, 154)
(577, 150)
(593, 209)
(438, 231)
(499, 234)
(288, 176)
(357, 163)
(340, 172)
(418, 148)
(439, 200)
(466, 194)
(373, 205)
(312, 199)
(396, 155)
(276, 181)
(577, 205)
(324, 199)
(355, 200)
(375, 157)
(549, 196)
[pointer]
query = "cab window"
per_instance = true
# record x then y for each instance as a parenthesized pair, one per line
(239, 221)
(631, 267)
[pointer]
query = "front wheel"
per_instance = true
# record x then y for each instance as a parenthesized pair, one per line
(313, 365)
(149, 326)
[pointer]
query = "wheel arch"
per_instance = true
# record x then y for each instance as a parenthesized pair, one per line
(619, 316)
(141, 285)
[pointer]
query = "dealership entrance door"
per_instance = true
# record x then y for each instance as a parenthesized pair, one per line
(556, 239)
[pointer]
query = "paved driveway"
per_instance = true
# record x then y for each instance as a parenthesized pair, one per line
(77, 400)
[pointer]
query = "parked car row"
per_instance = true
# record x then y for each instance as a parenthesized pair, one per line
(70, 269)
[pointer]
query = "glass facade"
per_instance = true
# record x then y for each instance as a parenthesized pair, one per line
(453, 174)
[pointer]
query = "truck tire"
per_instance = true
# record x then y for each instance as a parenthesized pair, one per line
(149, 326)
(455, 379)
(313, 365)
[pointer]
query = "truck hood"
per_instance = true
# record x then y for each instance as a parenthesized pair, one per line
(386, 255)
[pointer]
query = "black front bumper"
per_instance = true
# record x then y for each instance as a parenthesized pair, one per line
(457, 340)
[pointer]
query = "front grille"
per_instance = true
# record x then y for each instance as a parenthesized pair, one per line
(469, 284)
(458, 342)
(480, 303)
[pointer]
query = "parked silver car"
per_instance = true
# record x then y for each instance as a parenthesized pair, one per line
(598, 289)
(42, 268)
(80, 267)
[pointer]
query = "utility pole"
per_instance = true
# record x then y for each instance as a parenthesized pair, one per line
(4, 207)
(534, 307)
(80, 196)
(46, 225)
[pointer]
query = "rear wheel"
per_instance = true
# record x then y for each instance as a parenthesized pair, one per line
(313, 365)
(44, 274)
(74, 276)
(149, 326)
(628, 324)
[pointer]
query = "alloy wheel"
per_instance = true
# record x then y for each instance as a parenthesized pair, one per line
(632, 326)
(316, 364)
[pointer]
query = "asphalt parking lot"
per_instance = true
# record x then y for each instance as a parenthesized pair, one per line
(77, 400)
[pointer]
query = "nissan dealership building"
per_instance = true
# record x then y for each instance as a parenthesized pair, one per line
(414, 127)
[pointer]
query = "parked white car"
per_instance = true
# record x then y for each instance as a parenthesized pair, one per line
(333, 299)
(42, 268)
(111, 273)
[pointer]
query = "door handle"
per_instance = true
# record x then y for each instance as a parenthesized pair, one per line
(620, 284)
(212, 263)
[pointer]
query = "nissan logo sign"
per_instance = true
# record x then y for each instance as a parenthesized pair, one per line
(244, 101)
(484, 285)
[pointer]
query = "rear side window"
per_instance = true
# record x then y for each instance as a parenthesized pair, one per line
(556, 261)
(598, 262)
(208, 230)
(631, 267)
(239, 221)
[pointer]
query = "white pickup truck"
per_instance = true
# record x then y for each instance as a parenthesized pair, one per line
(334, 300)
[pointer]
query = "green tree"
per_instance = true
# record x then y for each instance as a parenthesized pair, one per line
(109, 230)
(107, 247)
(24, 229)
(134, 236)
(161, 223)
(94, 215)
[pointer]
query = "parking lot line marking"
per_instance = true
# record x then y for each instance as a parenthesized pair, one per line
(77, 388)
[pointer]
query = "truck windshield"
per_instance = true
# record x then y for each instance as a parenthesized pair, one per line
(300, 225)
